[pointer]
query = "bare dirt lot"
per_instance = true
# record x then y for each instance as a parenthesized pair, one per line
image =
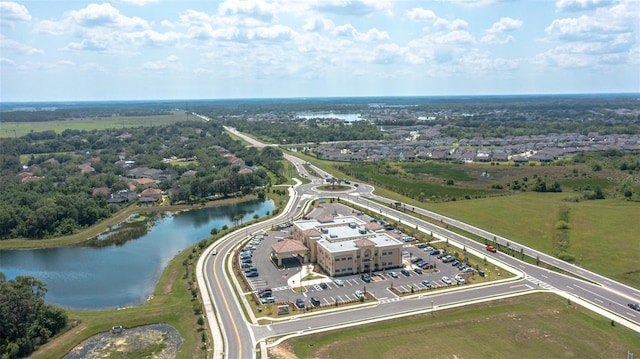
(159, 341)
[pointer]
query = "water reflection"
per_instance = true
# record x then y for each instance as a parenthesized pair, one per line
(117, 276)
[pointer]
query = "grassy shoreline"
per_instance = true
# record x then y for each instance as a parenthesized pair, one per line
(88, 233)
(172, 303)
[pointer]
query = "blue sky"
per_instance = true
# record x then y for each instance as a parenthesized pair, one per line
(155, 49)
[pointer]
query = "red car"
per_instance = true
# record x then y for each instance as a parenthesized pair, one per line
(492, 249)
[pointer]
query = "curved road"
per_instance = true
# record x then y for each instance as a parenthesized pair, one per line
(235, 337)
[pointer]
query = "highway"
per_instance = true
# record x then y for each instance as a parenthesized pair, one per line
(236, 337)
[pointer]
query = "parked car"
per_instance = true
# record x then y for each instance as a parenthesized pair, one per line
(492, 249)
(365, 277)
(339, 282)
(421, 245)
(434, 252)
(251, 269)
(267, 300)
(246, 265)
(300, 303)
(416, 259)
(393, 274)
(441, 255)
(446, 280)
(427, 266)
(315, 301)
(459, 279)
(266, 292)
(324, 285)
(419, 264)
(405, 272)
(454, 263)
(426, 283)
(359, 294)
(417, 270)
(448, 259)
(251, 274)
(467, 270)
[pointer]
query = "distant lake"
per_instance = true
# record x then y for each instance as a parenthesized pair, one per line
(89, 278)
(347, 117)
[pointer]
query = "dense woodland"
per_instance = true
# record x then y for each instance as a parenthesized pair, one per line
(26, 322)
(62, 201)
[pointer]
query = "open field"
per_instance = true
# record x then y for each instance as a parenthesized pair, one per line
(17, 129)
(531, 326)
(603, 234)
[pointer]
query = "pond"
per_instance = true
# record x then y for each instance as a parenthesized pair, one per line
(87, 278)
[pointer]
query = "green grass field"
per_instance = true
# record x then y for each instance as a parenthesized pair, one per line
(603, 234)
(532, 326)
(11, 129)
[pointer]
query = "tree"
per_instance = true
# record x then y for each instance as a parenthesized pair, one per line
(26, 322)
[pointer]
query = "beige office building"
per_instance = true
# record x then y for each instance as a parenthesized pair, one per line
(347, 245)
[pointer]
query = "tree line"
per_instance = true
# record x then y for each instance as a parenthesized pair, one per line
(26, 322)
(60, 201)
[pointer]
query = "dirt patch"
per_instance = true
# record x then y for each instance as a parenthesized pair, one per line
(282, 351)
(158, 341)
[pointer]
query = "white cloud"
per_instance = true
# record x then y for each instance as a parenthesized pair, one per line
(444, 24)
(317, 24)
(419, 14)
(580, 5)
(353, 7)
(479, 3)
(16, 47)
(276, 32)
(349, 31)
(256, 9)
(12, 12)
(495, 33)
(140, 2)
(173, 58)
(104, 15)
(598, 25)
(505, 24)
(6, 61)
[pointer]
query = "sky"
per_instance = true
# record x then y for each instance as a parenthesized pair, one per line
(180, 49)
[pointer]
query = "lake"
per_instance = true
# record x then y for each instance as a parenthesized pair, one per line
(346, 117)
(87, 278)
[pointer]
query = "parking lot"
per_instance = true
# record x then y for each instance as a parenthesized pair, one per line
(387, 285)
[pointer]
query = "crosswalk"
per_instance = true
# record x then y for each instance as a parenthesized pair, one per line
(389, 300)
(539, 283)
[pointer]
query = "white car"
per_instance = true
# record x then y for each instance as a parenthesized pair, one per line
(339, 282)
(459, 278)
(446, 280)
(214, 252)
(359, 294)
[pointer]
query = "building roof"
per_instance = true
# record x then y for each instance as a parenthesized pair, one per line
(151, 192)
(144, 181)
(373, 226)
(288, 246)
(364, 242)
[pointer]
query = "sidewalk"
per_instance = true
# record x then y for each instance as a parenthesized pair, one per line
(296, 280)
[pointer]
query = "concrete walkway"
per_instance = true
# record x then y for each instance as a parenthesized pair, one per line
(296, 280)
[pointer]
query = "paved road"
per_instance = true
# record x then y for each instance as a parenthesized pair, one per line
(609, 297)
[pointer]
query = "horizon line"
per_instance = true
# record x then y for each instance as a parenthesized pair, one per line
(321, 97)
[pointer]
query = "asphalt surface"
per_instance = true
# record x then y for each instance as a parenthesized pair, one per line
(237, 337)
